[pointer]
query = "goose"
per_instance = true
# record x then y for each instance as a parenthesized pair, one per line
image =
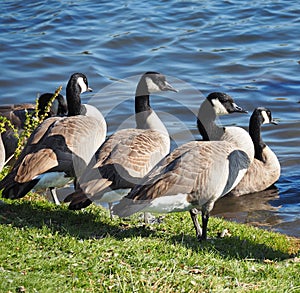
(194, 175)
(16, 114)
(128, 154)
(265, 168)
(59, 148)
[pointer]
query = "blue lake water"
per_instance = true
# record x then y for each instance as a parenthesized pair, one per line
(249, 50)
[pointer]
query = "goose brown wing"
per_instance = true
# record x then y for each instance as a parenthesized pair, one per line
(34, 164)
(183, 171)
(197, 170)
(60, 143)
(124, 158)
(139, 151)
(260, 175)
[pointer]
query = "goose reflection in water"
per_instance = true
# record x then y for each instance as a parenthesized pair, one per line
(255, 208)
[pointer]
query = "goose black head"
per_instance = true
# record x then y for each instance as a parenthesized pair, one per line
(263, 115)
(224, 104)
(153, 82)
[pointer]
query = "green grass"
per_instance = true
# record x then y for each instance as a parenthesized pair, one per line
(47, 248)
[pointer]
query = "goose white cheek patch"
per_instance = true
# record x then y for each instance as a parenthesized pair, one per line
(152, 87)
(219, 108)
(82, 84)
(266, 117)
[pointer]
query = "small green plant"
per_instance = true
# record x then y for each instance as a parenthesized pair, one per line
(5, 124)
(32, 121)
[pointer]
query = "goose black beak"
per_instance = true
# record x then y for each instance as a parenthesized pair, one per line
(168, 87)
(273, 121)
(238, 109)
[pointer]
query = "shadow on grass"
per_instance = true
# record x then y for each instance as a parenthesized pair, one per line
(85, 224)
(235, 248)
(89, 224)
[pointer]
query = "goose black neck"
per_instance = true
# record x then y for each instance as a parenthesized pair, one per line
(142, 104)
(73, 98)
(255, 133)
(142, 98)
(206, 122)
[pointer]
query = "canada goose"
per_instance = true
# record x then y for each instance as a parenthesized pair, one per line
(265, 168)
(128, 154)
(196, 174)
(59, 148)
(16, 114)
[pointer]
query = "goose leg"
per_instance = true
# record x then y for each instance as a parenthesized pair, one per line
(54, 195)
(205, 217)
(110, 206)
(194, 215)
(206, 209)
